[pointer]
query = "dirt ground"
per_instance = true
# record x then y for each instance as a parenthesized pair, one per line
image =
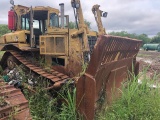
(150, 62)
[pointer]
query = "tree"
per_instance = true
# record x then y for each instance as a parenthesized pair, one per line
(158, 34)
(4, 29)
(88, 23)
(72, 25)
(156, 39)
(142, 37)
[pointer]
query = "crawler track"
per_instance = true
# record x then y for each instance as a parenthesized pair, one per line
(56, 78)
(12, 101)
(13, 104)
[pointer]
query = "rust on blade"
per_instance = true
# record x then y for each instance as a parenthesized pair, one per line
(13, 104)
(110, 62)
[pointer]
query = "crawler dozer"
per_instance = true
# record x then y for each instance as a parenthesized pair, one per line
(44, 32)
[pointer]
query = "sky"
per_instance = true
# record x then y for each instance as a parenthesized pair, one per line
(133, 16)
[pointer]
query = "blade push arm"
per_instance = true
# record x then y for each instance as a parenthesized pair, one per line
(98, 14)
(83, 28)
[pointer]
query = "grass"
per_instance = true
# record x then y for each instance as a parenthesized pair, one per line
(2, 102)
(49, 105)
(1, 54)
(137, 102)
(42, 107)
(45, 105)
(143, 55)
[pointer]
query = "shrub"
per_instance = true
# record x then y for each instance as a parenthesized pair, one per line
(138, 102)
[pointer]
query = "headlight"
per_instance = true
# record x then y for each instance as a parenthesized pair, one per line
(11, 2)
(105, 14)
(75, 5)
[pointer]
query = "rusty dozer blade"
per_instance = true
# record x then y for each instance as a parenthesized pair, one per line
(13, 104)
(111, 61)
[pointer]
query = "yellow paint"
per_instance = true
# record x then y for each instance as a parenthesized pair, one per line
(55, 42)
(116, 58)
(2, 39)
(17, 36)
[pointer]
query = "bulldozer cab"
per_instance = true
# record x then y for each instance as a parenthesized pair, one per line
(45, 19)
(41, 20)
(39, 24)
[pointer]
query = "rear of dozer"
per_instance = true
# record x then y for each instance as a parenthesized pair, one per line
(112, 60)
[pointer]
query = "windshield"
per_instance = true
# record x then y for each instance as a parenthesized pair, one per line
(26, 25)
(25, 22)
(54, 20)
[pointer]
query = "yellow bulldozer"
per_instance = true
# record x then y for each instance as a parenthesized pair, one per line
(44, 32)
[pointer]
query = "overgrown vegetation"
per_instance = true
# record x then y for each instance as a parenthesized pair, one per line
(53, 105)
(3, 29)
(137, 102)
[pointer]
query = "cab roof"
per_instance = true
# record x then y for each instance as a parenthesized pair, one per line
(26, 9)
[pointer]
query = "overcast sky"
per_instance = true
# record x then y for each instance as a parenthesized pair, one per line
(134, 16)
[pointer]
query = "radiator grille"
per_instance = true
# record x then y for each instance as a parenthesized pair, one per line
(60, 46)
(52, 45)
(92, 41)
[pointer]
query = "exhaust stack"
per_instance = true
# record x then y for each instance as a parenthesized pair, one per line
(62, 14)
(32, 39)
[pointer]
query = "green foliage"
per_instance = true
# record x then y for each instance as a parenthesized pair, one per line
(4, 29)
(68, 109)
(42, 107)
(138, 102)
(1, 54)
(88, 23)
(156, 39)
(45, 105)
(72, 25)
(142, 37)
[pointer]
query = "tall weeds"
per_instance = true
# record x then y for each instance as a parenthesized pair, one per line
(138, 102)
(46, 106)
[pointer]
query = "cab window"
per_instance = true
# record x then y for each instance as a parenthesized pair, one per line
(24, 22)
(54, 20)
